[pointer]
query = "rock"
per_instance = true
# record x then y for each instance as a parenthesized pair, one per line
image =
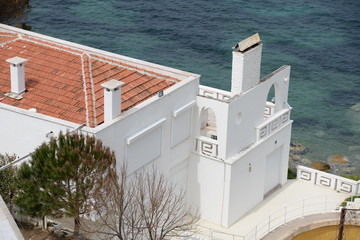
(51, 228)
(295, 158)
(348, 170)
(298, 149)
(337, 159)
(356, 107)
(68, 234)
(320, 133)
(354, 148)
(59, 233)
(306, 161)
(322, 166)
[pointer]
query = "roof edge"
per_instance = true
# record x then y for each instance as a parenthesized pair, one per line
(152, 67)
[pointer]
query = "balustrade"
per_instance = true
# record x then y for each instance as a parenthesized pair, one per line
(332, 181)
(214, 93)
(273, 123)
(207, 146)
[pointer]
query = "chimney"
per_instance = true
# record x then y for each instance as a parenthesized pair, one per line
(17, 74)
(246, 64)
(112, 99)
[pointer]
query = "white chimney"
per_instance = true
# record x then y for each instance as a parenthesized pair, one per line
(112, 99)
(17, 74)
(246, 64)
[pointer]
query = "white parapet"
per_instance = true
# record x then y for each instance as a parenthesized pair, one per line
(335, 182)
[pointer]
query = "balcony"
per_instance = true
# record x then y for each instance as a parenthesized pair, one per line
(273, 122)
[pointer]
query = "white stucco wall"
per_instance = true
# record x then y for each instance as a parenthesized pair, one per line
(22, 131)
(206, 187)
(247, 188)
(130, 124)
(247, 111)
(227, 185)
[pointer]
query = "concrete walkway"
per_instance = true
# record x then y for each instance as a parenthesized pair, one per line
(291, 195)
(291, 229)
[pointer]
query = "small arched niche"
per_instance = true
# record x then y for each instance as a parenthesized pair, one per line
(208, 123)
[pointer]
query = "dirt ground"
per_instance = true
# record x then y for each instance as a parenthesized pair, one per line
(37, 233)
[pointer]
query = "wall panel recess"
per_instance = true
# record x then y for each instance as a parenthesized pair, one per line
(181, 124)
(145, 145)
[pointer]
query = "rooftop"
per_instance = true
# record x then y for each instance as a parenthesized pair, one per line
(64, 82)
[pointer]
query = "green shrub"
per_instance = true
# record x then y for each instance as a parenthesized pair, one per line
(291, 174)
(352, 177)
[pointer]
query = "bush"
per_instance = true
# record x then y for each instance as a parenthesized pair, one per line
(291, 174)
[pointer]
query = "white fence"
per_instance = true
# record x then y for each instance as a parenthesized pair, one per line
(301, 208)
(214, 93)
(332, 181)
(273, 124)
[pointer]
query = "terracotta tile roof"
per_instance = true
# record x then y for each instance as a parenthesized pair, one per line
(66, 83)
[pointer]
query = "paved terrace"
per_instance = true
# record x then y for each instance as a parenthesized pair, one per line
(295, 197)
(288, 202)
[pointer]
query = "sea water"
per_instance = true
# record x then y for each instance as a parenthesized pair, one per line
(319, 39)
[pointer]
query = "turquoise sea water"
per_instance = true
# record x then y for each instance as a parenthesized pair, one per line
(319, 39)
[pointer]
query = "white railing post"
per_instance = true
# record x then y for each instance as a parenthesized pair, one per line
(303, 208)
(256, 232)
(325, 204)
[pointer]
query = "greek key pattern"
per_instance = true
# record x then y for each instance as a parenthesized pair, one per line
(328, 180)
(325, 181)
(214, 94)
(269, 110)
(346, 187)
(207, 148)
(273, 125)
(305, 175)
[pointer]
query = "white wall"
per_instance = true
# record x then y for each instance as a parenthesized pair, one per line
(129, 124)
(220, 110)
(247, 111)
(206, 187)
(247, 188)
(272, 170)
(22, 131)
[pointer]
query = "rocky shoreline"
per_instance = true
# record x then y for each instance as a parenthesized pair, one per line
(337, 164)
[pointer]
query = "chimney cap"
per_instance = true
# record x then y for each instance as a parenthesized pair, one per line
(16, 60)
(248, 42)
(112, 84)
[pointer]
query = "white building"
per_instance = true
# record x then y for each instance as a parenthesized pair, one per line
(229, 150)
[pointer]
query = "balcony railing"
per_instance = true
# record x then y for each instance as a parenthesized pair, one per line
(269, 109)
(207, 146)
(273, 123)
(214, 93)
(337, 183)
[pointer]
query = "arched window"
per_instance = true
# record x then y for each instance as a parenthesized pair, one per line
(270, 102)
(208, 123)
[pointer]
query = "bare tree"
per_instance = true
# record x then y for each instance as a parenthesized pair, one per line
(163, 210)
(117, 210)
(145, 205)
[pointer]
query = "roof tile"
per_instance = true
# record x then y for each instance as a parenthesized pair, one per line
(65, 82)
